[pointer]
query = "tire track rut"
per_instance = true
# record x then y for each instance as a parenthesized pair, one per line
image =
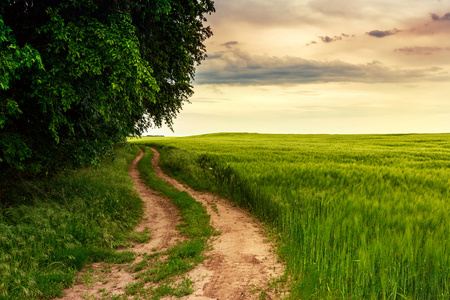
(241, 261)
(160, 217)
(239, 266)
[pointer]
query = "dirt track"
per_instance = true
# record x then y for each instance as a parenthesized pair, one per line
(160, 217)
(241, 261)
(240, 264)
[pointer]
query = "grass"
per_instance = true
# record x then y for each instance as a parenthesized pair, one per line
(57, 226)
(361, 216)
(52, 227)
(140, 237)
(163, 273)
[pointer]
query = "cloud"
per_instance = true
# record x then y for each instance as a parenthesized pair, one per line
(328, 39)
(439, 24)
(340, 9)
(209, 100)
(365, 10)
(421, 50)
(383, 33)
(436, 17)
(263, 13)
(229, 44)
(236, 67)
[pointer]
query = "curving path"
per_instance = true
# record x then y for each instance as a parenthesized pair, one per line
(241, 262)
(160, 217)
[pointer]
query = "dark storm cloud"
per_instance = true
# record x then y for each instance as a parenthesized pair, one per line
(230, 44)
(236, 67)
(421, 50)
(383, 33)
(436, 17)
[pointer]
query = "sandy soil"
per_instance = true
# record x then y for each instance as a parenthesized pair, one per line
(160, 217)
(240, 264)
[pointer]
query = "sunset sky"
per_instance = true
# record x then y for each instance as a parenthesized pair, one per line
(322, 66)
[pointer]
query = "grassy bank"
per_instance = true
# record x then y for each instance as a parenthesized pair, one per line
(52, 227)
(362, 216)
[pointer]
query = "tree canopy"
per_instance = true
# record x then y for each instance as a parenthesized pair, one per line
(77, 76)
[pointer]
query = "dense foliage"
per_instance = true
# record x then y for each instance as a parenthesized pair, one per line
(362, 216)
(77, 76)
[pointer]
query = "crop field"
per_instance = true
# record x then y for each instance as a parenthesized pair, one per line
(359, 216)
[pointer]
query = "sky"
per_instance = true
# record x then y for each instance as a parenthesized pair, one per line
(322, 66)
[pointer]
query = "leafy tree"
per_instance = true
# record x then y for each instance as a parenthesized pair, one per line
(77, 76)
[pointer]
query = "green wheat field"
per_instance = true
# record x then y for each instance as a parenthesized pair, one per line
(358, 216)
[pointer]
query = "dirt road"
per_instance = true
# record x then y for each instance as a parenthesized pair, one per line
(240, 264)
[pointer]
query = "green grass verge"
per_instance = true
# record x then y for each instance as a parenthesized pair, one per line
(52, 227)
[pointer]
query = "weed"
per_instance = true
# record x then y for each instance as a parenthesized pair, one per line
(140, 237)
(134, 287)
